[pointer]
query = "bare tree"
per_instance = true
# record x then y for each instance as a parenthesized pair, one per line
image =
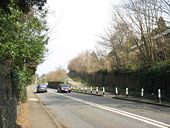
(134, 22)
(58, 75)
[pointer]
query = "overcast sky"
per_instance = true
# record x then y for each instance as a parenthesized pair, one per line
(74, 27)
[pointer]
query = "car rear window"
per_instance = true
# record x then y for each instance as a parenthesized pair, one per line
(43, 85)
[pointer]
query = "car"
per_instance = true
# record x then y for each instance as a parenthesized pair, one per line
(64, 88)
(41, 88)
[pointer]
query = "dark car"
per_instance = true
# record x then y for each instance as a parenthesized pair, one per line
(41, 88)
(64, 88)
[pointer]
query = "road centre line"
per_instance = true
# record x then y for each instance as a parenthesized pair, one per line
(121, 112)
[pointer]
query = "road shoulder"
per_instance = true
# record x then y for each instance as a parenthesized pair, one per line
(130, 98)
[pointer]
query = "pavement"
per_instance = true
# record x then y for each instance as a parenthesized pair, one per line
(39, 117)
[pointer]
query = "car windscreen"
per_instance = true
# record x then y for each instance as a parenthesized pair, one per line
(64, 85)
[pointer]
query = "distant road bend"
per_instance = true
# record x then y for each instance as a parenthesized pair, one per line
(75, 110)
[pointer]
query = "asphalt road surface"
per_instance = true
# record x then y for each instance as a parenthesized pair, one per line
(76, 110)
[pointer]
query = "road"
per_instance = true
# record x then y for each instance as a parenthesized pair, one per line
(76, 110)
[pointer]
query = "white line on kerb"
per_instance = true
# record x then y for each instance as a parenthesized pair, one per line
(124, 113)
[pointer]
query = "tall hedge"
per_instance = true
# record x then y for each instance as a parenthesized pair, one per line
(150, 78)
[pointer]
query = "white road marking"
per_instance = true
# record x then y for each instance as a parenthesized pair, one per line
(121, 112)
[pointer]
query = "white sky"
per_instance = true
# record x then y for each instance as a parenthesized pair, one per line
(74, 27)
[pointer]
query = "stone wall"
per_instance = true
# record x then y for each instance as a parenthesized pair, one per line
(8, 103)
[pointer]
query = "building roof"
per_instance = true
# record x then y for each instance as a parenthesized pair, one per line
(162, 34)
(155, 37)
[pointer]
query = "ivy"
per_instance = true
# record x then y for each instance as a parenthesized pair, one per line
(21, 38)
(22, 44)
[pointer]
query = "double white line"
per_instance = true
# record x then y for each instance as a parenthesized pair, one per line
(124, 113)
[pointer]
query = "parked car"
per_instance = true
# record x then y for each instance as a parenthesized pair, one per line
(64, 88)
(41, 88)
